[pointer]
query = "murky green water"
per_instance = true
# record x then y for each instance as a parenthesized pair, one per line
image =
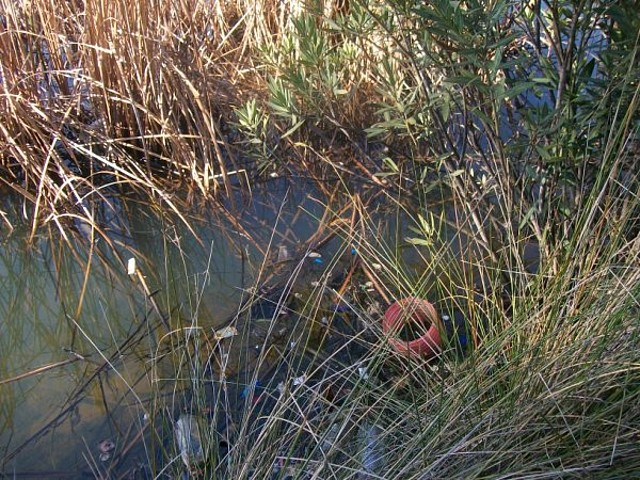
(78, 334)
(82, 341)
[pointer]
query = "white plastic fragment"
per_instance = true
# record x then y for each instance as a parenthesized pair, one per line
(299, 380)
(283, 254)
(189, 440)
(373, 452)
(131, 266)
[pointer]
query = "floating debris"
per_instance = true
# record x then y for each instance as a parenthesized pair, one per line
(299, 380)
(341, 307)
(283, 254)
(329, 441)
(256, 388)
(226, 332)
(363, 373)
(367, 287)
(131, 266)
(373, 452)
(374, 309)
(106, 448)
(314, 255)
(189, 441)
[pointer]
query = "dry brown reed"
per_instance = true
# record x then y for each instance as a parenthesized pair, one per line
(100, 96)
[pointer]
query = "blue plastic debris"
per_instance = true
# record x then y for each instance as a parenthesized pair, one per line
(341, 307)
(257, 386)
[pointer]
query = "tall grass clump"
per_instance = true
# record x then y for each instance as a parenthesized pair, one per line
(520, 121)
(544, 386)
(99, 97)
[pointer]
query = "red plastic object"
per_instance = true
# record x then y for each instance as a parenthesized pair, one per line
(417, 310)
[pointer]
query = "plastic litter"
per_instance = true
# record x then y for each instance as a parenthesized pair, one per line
(341, 307)
(283, 254)
(257, 392)
(329, 441)
(131, 266)
(106, 448)
(226, 332)
(418, 311)
(373, 451)
(299, 380)
(189, 441)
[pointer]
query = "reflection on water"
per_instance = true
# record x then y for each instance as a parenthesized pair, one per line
(78, 333)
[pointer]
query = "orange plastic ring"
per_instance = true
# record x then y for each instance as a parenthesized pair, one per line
(412, 309)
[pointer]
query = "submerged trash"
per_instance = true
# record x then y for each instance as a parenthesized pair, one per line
(189, 441)
(340, 307)
(415, 312)
(226, 332)
(330, 439)
(373, 448)
(106, 448)
(299, 380)
(257, 389)
(131, 266)
(283, 254)
(456, 329)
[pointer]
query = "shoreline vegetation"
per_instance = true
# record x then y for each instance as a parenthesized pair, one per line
(499, 140)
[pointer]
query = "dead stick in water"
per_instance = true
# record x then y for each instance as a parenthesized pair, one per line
(39, 370)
